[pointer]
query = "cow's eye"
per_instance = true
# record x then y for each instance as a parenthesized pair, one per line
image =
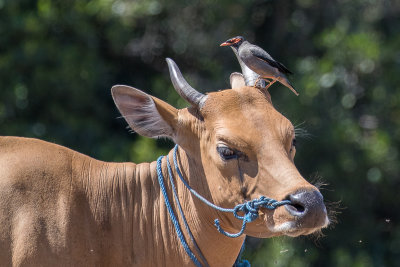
(293, 145)
(226, 153)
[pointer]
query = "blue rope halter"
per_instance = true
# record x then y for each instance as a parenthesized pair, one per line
(250, 210)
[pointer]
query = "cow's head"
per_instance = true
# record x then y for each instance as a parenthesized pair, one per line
(238, 148)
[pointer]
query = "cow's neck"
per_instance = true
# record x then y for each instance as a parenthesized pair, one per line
(126, 200)
(218, 249)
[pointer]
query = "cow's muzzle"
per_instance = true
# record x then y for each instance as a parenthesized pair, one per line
(308, 207)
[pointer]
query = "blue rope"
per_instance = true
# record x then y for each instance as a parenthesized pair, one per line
(239, 262)
(172, 214)
(250, 208)
(183, 215)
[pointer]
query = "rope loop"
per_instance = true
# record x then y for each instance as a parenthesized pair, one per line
(249, 209)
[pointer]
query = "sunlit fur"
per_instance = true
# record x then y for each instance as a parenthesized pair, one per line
(62, 208)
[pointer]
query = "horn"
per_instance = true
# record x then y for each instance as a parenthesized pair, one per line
(250, 77)
(183, 88)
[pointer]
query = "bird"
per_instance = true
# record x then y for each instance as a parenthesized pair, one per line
(259, 61)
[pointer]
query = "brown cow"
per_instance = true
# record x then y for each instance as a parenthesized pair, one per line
(61, 208)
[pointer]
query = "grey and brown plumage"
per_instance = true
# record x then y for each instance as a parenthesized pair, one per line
(260, 62)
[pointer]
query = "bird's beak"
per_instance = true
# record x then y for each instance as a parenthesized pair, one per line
(225, 44)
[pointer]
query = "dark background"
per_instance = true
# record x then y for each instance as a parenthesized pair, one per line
(59, 59)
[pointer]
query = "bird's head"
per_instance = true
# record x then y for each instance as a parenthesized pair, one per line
(234, 42)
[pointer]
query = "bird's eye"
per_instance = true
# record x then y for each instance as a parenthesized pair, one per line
(226, 153)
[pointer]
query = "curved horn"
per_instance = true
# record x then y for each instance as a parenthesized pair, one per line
(250, 77)
(183, 88)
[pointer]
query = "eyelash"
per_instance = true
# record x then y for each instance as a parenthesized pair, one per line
(294, 143)
(227, 153)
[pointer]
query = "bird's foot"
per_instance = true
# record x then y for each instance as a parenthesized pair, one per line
(269, 84)
(260, 85)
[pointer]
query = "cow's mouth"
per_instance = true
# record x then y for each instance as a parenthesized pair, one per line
(296, 219)
(293, 228)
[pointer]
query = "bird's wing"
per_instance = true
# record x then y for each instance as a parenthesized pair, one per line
(261, 54)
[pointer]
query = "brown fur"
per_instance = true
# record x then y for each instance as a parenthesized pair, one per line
(61, 208)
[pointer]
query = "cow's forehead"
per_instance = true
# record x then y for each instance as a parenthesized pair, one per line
(230, 100)
(245, 113)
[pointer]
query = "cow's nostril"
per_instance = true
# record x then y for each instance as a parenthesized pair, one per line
(306, 204)
(297, 207)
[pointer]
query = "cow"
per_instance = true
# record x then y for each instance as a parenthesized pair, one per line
(62, 208)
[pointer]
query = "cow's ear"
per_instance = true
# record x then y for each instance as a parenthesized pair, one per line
(145, 114)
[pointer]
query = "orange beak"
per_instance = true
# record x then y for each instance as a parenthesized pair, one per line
(225, 44)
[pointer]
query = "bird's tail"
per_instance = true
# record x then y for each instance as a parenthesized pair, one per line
(285, 82)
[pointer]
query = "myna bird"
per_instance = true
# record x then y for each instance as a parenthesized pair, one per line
(260, 62)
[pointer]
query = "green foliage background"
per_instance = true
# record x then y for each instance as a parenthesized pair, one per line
(59, 59)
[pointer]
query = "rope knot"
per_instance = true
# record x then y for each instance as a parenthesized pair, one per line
(251, 216)
(250, 210)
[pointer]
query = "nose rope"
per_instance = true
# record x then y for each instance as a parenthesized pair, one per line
(250, 210)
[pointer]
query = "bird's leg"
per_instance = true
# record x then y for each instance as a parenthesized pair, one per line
(269, 83)
(261, 78)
